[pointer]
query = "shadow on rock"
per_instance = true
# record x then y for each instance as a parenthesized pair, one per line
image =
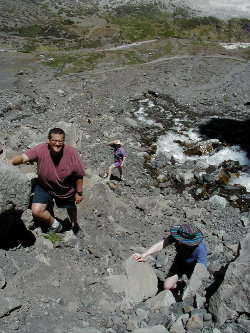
(231, 131)
(218, 279)
(15, 232)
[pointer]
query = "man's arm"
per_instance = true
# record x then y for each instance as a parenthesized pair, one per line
(152, 250)
(19, 159)
(79, 183)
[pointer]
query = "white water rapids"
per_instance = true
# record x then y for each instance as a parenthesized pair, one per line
(168, 144)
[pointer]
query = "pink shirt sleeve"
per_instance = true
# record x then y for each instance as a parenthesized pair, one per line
(33, 153)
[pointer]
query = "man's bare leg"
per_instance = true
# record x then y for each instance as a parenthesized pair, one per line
(40, 212)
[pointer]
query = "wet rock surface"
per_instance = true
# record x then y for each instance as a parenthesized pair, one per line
(88, 284)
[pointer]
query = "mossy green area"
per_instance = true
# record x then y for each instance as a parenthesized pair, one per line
(53, 238)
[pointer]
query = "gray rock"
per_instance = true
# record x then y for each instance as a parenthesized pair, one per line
(85, 330)
(16, 196)
(160, 161)
(194, 323)
(2, 279)
(133, 322)
(139, 283)
(200, 274)
(192, 212)
(201, 165)
(233, 296)
(178, 326)
(156, 318)
(207, 317)
(8, 304)
(27, 218)
(185, 177)
(161, 262)
(200, 301)
(131, 122)
(156, 207)
(61, 92)
(245, 221)
(164, 299)
(151, 329)
(198, 312)
(218, 201)
(188, 308)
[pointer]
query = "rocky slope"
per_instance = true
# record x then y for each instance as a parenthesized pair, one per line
(88, 284)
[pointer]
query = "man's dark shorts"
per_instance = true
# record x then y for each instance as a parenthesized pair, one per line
(43, 197)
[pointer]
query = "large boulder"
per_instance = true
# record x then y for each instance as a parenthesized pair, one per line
(199, 276)
(138, 283)
(107, 203)
(232, 297)
(15, 189)
(156, 207)
(163, 300)
(8, 304)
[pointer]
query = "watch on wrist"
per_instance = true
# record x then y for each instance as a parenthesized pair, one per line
(79, 193)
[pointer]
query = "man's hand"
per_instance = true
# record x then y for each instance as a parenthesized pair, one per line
(78, 198)
(137, 257)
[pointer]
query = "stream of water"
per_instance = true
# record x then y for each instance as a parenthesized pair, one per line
(169, 142)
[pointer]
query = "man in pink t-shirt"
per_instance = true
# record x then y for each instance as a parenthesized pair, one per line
(60, 178)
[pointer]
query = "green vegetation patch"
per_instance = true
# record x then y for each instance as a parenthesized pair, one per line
(29, 47)
(38, 30)
(68, 22)
(53, 238)
(141, 22)
(74, 63)
(87, 62)
(130, 57)
(59, 61)
(147, 22)
(194, 22)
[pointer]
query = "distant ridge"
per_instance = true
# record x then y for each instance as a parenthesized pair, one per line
(223, 9)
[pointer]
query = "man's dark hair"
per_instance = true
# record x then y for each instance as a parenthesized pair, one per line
(56, 130)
